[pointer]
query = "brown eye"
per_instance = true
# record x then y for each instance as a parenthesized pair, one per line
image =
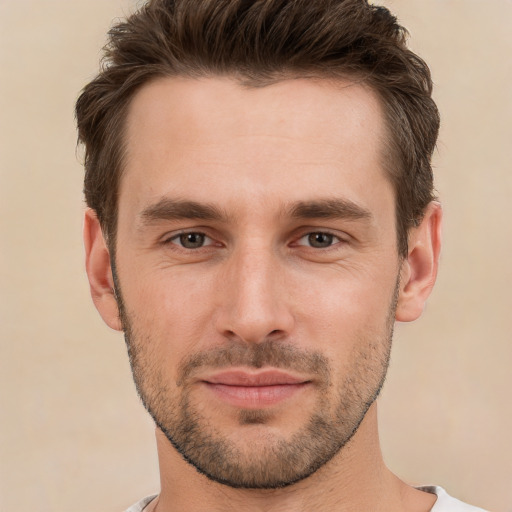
(320, 240)
(191, 240)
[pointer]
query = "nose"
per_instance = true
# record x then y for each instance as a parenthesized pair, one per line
(253, 304)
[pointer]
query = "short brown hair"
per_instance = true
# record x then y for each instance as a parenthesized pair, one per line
(259, 42)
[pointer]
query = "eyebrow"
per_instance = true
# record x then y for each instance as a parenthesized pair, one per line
(176, 209)
(329, 209)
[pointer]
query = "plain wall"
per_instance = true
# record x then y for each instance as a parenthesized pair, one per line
(73, 436)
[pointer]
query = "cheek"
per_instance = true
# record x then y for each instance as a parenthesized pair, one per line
(170, 310)
(345, 309)
(351, 325)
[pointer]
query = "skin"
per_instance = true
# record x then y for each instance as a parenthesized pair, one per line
(254, 155)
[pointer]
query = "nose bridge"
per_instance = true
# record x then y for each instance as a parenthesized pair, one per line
(254, 305)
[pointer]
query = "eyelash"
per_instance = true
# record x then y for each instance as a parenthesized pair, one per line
(334, 240)
(178, 236)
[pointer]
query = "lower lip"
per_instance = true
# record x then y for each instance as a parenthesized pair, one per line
(255, 397)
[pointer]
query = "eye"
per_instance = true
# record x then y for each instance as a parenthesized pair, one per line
(318, 240)
(191, 240)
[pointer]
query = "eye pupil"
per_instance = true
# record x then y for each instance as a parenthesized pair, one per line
(192, 240)
(320, 240)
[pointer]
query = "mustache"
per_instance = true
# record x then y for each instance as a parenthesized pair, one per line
(258, 355)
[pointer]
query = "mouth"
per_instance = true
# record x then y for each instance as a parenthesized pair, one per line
(249, 390)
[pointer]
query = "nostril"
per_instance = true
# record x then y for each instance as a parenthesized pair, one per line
(252, 337)
(275, 335)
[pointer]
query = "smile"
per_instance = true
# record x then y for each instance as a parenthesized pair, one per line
(254, 391)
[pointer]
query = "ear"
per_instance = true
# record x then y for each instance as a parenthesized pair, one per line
(99, 271)
(419, 270)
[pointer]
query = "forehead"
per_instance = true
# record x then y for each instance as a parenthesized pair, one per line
(294, 137)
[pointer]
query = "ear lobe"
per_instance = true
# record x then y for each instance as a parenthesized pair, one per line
(419, 269)
(99, 271)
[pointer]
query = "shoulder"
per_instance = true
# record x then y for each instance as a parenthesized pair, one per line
(142, 504)
(446, 503)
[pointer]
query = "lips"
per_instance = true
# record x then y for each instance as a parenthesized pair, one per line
(265, 378)
(254, 390)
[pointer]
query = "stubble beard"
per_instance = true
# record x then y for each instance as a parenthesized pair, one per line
(272, 462)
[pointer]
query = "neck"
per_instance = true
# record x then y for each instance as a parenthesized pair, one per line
(355, 479)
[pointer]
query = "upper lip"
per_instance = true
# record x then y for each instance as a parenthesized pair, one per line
(263, 378)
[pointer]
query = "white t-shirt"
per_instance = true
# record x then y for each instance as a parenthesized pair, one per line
(444, 503)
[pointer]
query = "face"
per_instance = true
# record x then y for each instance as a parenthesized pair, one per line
(256, 270)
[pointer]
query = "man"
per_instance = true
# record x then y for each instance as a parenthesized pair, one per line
(261, 212)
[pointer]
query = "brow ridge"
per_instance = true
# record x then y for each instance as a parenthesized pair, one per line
(176, 209)
(334, 208)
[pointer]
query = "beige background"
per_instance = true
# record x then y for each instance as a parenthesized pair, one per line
(73, 436)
